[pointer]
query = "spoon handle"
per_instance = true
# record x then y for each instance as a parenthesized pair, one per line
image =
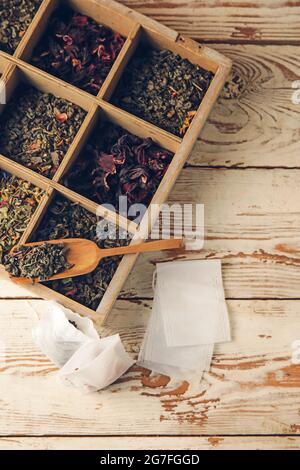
(143, 247)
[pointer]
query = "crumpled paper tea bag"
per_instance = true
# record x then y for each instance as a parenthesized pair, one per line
(73, 344)
(57, 337)
(97, 364)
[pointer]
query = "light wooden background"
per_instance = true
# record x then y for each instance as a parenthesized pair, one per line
(246, 170)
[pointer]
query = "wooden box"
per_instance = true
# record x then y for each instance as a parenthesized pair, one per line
(135, 28)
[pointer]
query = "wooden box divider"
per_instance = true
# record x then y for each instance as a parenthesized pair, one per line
(39, 24)
(139, 127)
(6, 67)
(78, 143)
(136, 28)
(21, 74)
(25, 173)
(21, 172)
(97, 209)
(121, 62)
(38, 215)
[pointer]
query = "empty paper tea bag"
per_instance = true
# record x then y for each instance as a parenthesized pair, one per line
(157, 350)
(189, 316)
(73, 344)
(97, 364)
(187, 362)
(191, 299)
(60, 332)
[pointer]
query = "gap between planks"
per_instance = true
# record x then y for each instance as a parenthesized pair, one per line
(147, 299)
(210, 442)
(235, 167)
(210, 21)
(249, 375)
(112, 436)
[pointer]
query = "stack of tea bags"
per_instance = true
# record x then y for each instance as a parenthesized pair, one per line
(189, 316)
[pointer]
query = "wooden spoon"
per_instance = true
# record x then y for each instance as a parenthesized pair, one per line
(85, 255)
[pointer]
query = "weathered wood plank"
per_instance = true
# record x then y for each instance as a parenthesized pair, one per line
(252, 387)
(252, 222)
(9, 290)
(249, 271)
(255, 122)
(151, 443)
(234, 21)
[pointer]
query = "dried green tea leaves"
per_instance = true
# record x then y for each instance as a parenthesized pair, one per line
(65, 219)
(18, 201)
(15, 18)
(78, 50)
(116, 163)
(42, 262)
(162, 88)
(37, 129)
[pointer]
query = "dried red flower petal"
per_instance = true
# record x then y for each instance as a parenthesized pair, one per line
(80, 20)
(119, 164)
(61, 117)
(78, 50)
(107, 163)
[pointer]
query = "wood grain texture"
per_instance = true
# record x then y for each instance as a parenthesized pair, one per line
(256, 237)
(151, 443)
(255, 122)
(223, 21)
(252, 222)
(252, 386)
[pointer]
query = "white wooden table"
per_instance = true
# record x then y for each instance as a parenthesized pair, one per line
(246, 170)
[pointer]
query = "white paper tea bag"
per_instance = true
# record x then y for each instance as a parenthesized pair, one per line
(85, 360)
(57, 337)
(192, 301)
(155, 349)
(97, 364)
(189, 316)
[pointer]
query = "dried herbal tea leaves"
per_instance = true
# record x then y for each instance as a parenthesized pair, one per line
(15, 18)
(37, 129)
(65, 219)
(18, 201)
(116, 163)
(162, 88)
(78, 50)
(41, 261)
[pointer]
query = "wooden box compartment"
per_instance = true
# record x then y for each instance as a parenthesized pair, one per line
(115, 117)
(136, 28)
(125, 26)
(28, 32)
(25, 176)
(19, 75)
(149, 39)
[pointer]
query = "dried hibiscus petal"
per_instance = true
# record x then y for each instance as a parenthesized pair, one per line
(61, 117)
(78, 50)
(115, 164)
